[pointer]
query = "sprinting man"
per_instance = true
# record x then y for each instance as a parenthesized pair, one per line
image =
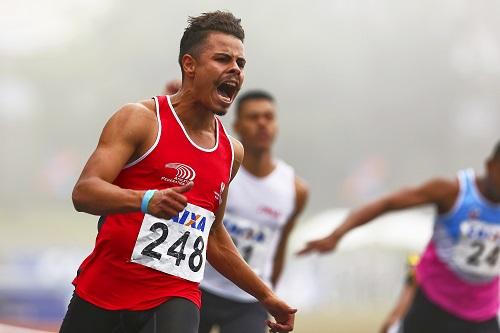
(264, 201)
(159, 179)
(457, 275)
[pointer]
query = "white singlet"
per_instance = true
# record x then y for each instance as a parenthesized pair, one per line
(257, 210)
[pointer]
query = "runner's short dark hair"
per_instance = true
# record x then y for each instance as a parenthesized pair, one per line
(252, 95)
(200, 26)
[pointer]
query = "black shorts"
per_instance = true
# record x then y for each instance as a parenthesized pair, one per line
(231, 316)
(177, 315)
(425, 316)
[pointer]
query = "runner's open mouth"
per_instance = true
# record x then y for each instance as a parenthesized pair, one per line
(227, 91)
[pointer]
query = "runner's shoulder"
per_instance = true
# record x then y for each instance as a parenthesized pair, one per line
(443, 186)
(442, 191)
(133, 120)
(239, 151)
(301, 194)
(301, 188)
(139, 111)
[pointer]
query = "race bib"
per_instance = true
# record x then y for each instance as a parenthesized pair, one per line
(252, 241)
(176, 246)
(478, 249)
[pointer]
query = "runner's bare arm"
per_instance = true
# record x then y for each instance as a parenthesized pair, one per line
(225, 258)
(403, 305)
(127, 135)
(301, 196)
(440, 192)
(221, 251)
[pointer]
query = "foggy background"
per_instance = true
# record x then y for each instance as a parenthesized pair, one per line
(372, 96)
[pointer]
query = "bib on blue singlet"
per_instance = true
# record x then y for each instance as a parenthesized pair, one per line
(478, 249)
(176, 246)
(251, 239)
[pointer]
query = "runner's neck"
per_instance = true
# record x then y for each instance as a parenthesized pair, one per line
(193, 115)
(486, 190)
(259, 164)
(198, 121)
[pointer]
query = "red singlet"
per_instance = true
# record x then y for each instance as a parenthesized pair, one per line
(107, 278)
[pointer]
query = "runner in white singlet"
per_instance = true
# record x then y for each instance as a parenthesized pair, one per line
(264, 201)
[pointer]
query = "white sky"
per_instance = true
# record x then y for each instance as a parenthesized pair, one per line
(29, 25)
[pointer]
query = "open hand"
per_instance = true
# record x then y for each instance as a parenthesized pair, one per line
(322, 245)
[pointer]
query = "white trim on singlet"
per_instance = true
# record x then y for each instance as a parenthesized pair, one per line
(207, 150)
(232, 148)
(155, 143)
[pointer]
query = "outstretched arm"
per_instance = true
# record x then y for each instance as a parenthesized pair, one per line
(301, 196)
(127, 135)
(441, 192)
(225, 258)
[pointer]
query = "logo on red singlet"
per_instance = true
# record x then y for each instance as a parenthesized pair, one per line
(218, 195)
(179, 173)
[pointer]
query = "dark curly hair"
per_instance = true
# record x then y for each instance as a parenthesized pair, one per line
(200, 26)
